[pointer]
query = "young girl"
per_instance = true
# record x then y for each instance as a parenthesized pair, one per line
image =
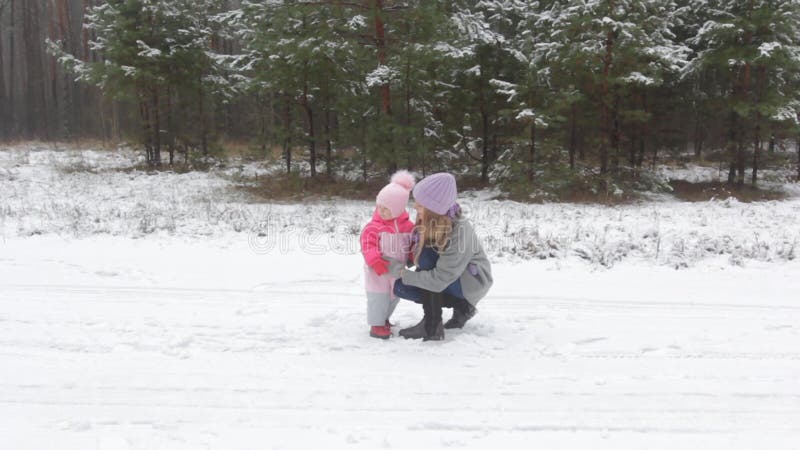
(452, 268)
(388, 235)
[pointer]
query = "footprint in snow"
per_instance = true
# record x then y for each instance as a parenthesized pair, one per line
(590, 340)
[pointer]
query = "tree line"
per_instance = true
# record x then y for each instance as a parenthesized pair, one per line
(517, 91)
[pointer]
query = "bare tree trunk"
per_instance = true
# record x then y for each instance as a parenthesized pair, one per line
(642, 147)
(740, 161)
(85, 98)
(116, 128)
(632, 149)
(68, 123)
(605, 113)
(12, 87)
(532, 153)
(615, 134)
(655, 158)
(156, 127)
(644, 134)
(364, 161)
(493, 149)
(761, 75)
(273, 125)
(328, 141)
(312, 144)
(407, 91)
(144, 115)
(744, 91)
(635, 136)
(756, 149)
(380, 42)
(386, 93)
(201, 94)
(572, 134)
(264, 110)
(698, 137)
(732, 133)
(170, 127)
(422, 156)
(328, 145)
(33, 92)
(4, 120)
(287, 140)
(484, 131)
(51, 29)
(87, 56)
(604, 135)
(771, 148)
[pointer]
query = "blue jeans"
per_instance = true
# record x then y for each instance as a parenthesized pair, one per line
(427, 261)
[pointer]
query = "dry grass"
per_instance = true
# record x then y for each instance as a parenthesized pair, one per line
(293, 187)
(247, 150)
(580, 196)
(74, 144)
(701, 192)
(296, 187)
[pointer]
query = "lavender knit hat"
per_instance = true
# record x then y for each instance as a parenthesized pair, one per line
(436, 192)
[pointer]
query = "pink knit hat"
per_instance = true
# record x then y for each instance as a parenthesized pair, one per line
(394, 195)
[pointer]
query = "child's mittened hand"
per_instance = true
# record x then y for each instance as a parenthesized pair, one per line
(396, 268)
(380, 267)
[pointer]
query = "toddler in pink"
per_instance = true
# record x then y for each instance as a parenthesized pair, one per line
(388, 235)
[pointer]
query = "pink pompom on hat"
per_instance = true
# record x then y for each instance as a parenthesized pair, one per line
(394, 195)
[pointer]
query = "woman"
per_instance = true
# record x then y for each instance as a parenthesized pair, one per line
(452, 268)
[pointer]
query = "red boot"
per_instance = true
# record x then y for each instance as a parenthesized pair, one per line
(380, 332)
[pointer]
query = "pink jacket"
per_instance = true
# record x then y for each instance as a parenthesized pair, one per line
(390, 238)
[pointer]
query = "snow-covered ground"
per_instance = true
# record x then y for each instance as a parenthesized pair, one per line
(168, 311)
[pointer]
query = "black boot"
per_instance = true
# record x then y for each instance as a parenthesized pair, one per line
(430, 328)
(462, 312)
(418, 330)
(415, 332)
(433, 326)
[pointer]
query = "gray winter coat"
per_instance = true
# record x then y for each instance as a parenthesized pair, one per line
(463, 258)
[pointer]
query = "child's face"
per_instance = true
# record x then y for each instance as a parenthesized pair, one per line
(384, 213)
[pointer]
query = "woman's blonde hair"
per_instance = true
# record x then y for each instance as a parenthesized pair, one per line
(433, 230)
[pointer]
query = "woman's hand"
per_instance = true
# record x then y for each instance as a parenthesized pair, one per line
(396, 267)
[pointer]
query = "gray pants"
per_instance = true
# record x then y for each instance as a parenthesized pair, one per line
(380, 307)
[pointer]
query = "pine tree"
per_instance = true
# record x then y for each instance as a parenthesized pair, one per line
(301, 53)
(533, 100)
(151, 51)
(752, 49)
(421, 80)
(617, 51)
(485, 74)
(407, 73)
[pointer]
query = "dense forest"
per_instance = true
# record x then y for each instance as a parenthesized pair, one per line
(513, 91)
